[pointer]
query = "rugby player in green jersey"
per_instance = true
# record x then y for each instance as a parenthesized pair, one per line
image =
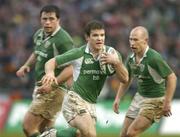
(49, 41)
(88, 77)
(155, 89)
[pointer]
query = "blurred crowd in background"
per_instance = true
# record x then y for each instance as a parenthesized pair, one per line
(19, 19)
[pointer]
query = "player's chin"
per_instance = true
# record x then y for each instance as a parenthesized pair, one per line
(48, 30)
(99, 46)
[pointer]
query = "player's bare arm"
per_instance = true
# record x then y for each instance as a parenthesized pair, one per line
(49, 77)
(65, 75)
(170, 89)
(120, 93)
(27, 66)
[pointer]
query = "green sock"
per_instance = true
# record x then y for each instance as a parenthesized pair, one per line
(67, 132)
(35, 134)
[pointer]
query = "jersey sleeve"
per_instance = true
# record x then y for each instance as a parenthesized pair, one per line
(64, 42)
(161, 66)
(66, 46)
(68, 57)
(35, 36)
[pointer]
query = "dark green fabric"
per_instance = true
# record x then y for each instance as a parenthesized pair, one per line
(35, 135)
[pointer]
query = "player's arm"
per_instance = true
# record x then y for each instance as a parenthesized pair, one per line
(121, 71)
(49, 76)
(170, 89)
(120, 93)
(27, 66)
(166, 73)
(65, 75)
(60, 60)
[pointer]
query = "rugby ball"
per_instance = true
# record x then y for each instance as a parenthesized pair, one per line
(108, 68)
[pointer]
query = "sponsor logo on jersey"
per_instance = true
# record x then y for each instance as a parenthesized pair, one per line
(88, 61)
(94, 72)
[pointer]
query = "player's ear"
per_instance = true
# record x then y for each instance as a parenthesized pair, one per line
(58, 19)
(86, 37)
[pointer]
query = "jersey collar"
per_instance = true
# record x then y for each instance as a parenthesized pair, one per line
(58, 28)
(41, 34)
(87, 50)
(145, 54)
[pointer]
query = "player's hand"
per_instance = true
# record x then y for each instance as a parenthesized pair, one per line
(107, 58)
(116, 106)
(22, 71)
(49, 79)
(45, 88)
(167, 109)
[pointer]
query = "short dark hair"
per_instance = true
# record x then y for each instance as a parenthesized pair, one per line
(92, 25)
(51, 8)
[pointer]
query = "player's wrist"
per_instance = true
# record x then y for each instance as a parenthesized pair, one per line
(50, 73)
(117, 98)
(27, 65)
(116, 63)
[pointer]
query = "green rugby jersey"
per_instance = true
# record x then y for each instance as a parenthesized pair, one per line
(87, 75)
(150, 73)
(46, 48)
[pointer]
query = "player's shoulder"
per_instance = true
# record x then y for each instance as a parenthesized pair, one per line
(38, 33)
(78, 51)
(153, 55)
(63, 33)
(82, 48)
(63, 36)
(110, 49)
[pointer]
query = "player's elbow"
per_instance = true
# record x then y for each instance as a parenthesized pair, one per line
(124, 79)
(172, 77)
(50, 64)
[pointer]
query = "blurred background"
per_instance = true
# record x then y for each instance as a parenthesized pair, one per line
(19, 19)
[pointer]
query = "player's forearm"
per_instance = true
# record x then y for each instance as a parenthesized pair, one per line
(170, 87)
(121, 72)
(65, 74)
(31, 60)
(50, 66)
(121, 91)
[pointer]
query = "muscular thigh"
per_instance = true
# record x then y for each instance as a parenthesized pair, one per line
(79, 123)
(47, 105)
(139, 125)
(127, 122)
(31, 120)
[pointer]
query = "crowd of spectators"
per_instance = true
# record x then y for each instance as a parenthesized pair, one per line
(19, 19)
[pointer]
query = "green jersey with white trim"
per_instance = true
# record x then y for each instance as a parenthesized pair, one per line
(46, 48)
(87, 75)
(151, 73)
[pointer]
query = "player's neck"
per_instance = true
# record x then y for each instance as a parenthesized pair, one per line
(140, 55)
(95, 53)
